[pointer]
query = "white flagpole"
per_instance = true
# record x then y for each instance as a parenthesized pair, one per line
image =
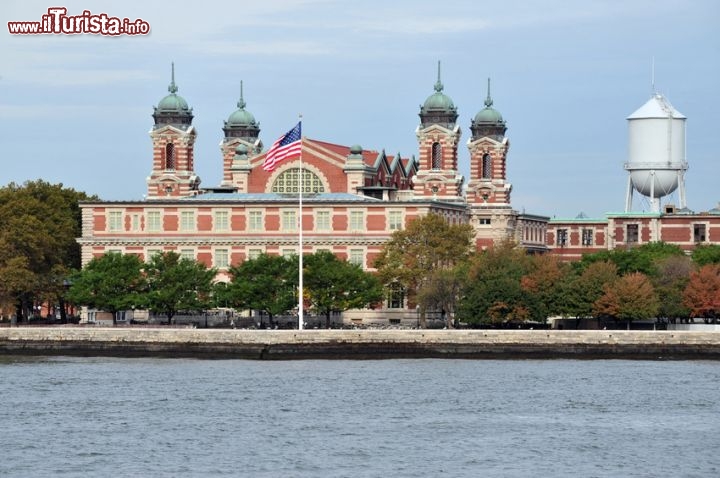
(300, 237)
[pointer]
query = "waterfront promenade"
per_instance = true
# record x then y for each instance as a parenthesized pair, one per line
(360, 344)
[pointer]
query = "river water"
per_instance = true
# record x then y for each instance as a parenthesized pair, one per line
(79, 417)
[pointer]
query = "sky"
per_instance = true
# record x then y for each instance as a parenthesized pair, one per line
(76, 109)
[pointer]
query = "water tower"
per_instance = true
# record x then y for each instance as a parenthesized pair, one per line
(656, 158)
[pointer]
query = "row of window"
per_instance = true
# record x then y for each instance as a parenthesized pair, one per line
(256, 221)
(221, 256)
(632, 235)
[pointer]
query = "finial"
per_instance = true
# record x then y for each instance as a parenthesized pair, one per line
(488, 100)
(172, 88)
(241, 103)
(438, 85)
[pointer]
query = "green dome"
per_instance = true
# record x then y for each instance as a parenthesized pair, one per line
(241, 117)
(488, 115)
(438, 102)
(174, 103)
(173, 109)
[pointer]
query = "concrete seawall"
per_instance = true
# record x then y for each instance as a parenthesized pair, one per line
(360, 344)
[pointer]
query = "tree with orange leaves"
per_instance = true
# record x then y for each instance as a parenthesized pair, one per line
(702, 294)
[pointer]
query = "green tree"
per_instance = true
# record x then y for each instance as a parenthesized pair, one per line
(333, 285)
(586, 287)
(176, 284)
(705, 254)
(493, 294)
(111, 282)
(638, 259)
(673, 274)
(267, 284)
(442, 292)
(412, 255)
(702, 294)
(631, 297)
(39, 223)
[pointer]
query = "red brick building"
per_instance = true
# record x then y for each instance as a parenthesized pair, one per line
(353, 198)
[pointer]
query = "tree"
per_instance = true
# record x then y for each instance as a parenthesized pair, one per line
(334, 285)
(631, 297)
(706, 254)
(176, 284)
(111, 282)
(702, 294)
(586, 287)
(412, 255)
(493, 293)
(442, 292)
(39, 222)
(544, 281)
(639, 259)
(267, 283)
(673, 274)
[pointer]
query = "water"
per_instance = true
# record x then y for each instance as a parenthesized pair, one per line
(79, 417)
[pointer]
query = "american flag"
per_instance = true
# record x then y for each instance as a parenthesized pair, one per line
(286, 146)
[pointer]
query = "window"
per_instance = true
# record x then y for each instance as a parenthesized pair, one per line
(152, 253)
(322, 220)
(221, 258)
(135, 222)
(699, 233)
(288, 252)
(436, 156)
(561, 237)
(396, 297)
(153, 221)
(287, 182)
(170, 156)
(221, 221)
(484, 221)
(289, 221)
(254, 253)
(357, 257)
(486, 172)
(395, 220)
(187, 220)
(115, 221)
(187, 254)
(632, 233)
(357, 220)
(255, 221)
(587, 237)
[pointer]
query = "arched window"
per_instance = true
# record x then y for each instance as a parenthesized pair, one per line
(170, 156)
(486, 172)
(287, 182)
(436, 156)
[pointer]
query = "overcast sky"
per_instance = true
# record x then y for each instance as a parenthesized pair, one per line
(565, 75)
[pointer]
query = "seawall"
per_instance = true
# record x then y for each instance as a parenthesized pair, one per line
(359, 344)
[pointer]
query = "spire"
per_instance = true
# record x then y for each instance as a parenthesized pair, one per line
(438, 84)
(172, 88)
(241, 104)
(488, 100)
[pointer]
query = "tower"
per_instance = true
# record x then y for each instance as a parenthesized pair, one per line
(488, 152)
(488, 191)
(240, 142)
(656, 154)
(438, 137)
(173, 138)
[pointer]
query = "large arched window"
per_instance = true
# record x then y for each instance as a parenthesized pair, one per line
(436, 156)
(486, 172)
(170, 156)
(287, 182)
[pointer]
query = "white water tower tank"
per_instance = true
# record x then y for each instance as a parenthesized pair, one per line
(656, 161)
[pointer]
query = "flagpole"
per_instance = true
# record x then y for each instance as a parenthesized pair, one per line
(300, 238)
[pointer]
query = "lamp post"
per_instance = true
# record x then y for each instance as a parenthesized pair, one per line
(417, 315)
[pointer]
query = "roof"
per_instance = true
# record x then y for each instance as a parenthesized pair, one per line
(274, 197)
(656, 107)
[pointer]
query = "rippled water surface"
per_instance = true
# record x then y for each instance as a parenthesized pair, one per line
(392, 418)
